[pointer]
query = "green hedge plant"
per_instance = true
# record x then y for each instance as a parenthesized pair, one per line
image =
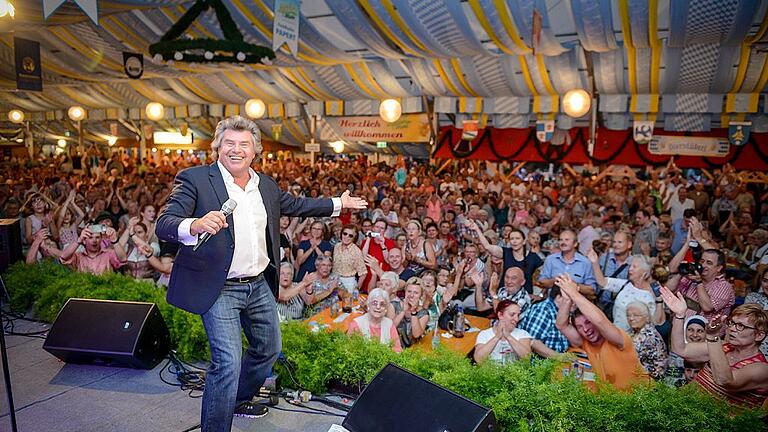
(525, 396)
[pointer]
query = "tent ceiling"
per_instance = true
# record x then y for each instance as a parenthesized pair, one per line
(686, 62)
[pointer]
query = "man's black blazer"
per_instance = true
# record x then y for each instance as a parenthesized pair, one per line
(198, 277)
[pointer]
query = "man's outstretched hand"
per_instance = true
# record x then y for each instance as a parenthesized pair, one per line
(353, 203)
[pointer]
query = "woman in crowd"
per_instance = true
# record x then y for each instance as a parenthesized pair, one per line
(148, 215)
(736, 370)
(38, 210)
(135, 241)
(503, 343)
(348, 262)
(311, 249)
(419, 254)
(411, 319)
(67, 219)
(647, 340)
(438, 244)
(290, 305)
(323, 292)
(636, 288)
(375, 324)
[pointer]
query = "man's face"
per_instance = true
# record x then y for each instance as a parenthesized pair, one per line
(567, 241)
(93, 243)
(514, 279)
(395, 258)
(366, 227)
(587, 330)
(710, 267)
(641, 219)
(621, 243)
(662, 244)
(379, 227)
(682, 194)
(236, 151)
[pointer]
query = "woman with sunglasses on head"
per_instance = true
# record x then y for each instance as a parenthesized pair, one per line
(736, 370)
(375, 324)
(348, 260)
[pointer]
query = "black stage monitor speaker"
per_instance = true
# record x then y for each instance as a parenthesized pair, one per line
(116, 333)
(397, 400)
(10, 243)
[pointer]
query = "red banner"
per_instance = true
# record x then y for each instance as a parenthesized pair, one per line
(611, 147)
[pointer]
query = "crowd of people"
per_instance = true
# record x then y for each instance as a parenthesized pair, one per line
(663, 268)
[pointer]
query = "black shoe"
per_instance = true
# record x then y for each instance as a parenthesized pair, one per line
(251, 410)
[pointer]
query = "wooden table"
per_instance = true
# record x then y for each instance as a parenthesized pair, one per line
(461, 345)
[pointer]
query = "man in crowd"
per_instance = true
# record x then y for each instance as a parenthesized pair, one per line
(646, 233)
(569, 261)
(610, 350)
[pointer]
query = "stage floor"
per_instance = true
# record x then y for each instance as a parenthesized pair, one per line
(52, 395)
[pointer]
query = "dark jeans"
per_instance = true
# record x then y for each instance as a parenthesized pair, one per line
(233, 377)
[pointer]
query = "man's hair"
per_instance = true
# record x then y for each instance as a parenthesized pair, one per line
(720, 256)
(643, 212)
(236, 123)
(753, 313)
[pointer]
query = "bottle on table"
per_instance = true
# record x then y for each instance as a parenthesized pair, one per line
(458, 323)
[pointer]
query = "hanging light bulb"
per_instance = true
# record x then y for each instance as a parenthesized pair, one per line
(6, 8)
(337, 146)
(208, 55)
(111, 140)
(14, 115)
(61, 142)
(76, 113)
(155, 111)
(255, 108)
(390, 110)
(576, 103)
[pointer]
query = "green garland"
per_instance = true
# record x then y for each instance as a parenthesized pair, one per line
(524, 396)
(233, 43)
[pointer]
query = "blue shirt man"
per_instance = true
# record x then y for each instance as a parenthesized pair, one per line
(568, 260)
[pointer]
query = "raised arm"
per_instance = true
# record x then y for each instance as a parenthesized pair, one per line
(692, 351)
(563, 323)
(494, 250)
(598, 272)
(609, 331)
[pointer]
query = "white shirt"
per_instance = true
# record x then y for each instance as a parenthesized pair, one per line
(503, 349)
(251, 255)
(677, 208)
(626, 296)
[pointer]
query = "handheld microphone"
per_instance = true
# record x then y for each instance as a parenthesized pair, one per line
(227, 209)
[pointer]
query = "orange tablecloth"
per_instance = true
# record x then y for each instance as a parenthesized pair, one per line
(461, 345)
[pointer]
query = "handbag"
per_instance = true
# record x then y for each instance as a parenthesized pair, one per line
(447, 316)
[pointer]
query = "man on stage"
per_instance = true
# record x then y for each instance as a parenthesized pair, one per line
(231, 280)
